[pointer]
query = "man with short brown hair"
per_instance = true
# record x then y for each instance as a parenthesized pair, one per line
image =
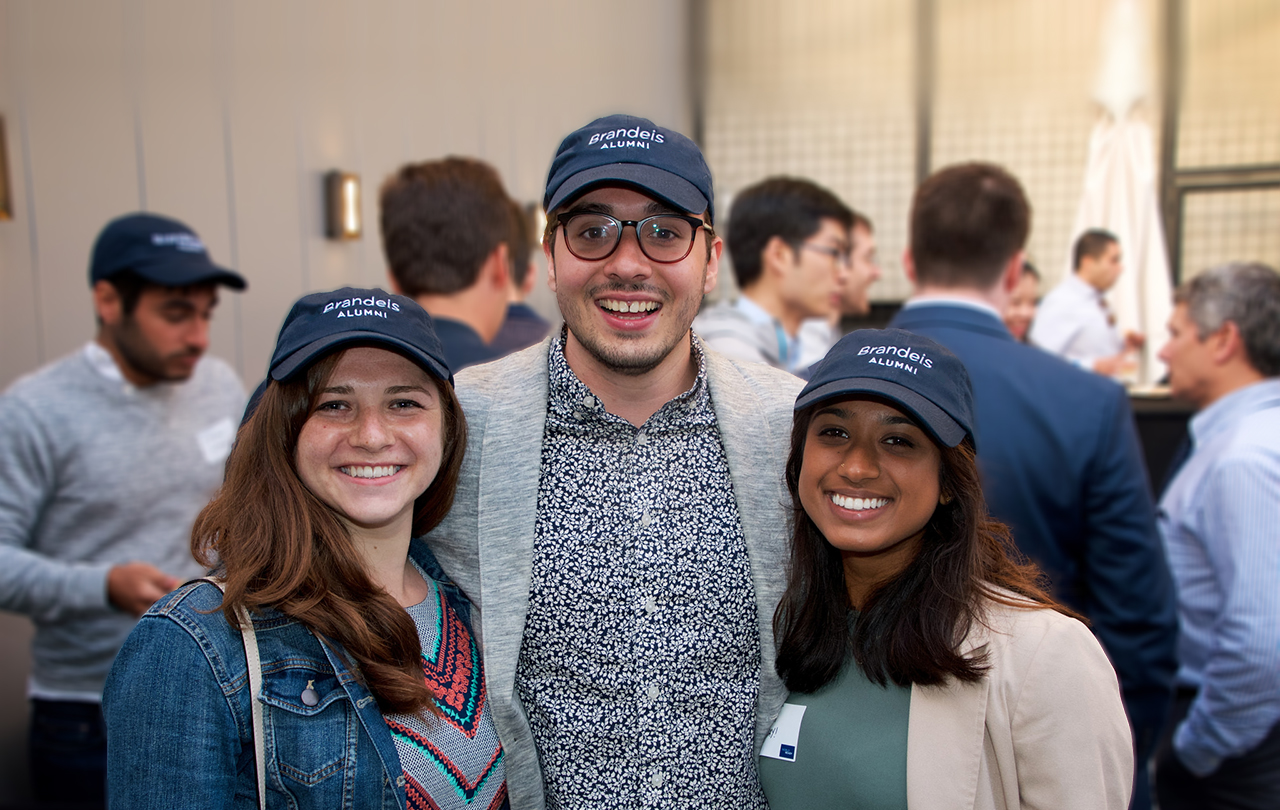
(1057, 446)
(446, 232)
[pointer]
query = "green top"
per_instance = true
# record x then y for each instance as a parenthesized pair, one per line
(852, 748)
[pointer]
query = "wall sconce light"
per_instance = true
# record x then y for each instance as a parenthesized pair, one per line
(6, 201)
(342, 205)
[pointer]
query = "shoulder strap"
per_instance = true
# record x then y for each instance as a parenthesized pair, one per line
(254, 662)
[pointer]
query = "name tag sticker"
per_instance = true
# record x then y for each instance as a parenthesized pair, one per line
(782, 739)
(215, 440)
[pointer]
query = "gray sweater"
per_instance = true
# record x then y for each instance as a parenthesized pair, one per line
(94, 472)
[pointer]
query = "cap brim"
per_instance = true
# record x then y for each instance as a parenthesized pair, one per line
(660, 183)
(302, 358)
(177, 274)
(937, 422)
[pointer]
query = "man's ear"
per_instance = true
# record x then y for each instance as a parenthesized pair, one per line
(551, 263)
(530, 278)
(909, 267)
(107, 303)
(713, 265)
(777, 256)
(497, 267)
(1012, 273)
(1226, 343)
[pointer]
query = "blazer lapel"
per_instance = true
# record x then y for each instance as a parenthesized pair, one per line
(507, 502)
(945, 735)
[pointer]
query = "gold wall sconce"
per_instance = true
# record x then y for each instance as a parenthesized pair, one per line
(342, 205)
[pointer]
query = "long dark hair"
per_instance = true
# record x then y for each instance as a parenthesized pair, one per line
(911, 629)
(278, 545)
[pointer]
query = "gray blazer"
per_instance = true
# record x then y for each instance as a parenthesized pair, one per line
(486, 542)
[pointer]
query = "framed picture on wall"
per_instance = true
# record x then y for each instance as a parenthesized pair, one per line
(6, 199)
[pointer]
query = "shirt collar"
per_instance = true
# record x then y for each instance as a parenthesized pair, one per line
(1230, 409)
(102, 362)
(953, 300)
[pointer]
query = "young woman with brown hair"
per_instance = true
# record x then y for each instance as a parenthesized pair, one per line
(927, 667)
(372, 691)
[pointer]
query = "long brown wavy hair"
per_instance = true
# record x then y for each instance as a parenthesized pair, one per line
(911, 629)
(277, 545)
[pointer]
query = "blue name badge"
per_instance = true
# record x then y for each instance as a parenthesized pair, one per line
(787, 752)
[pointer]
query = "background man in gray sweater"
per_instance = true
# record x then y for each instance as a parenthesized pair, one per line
(106, 456)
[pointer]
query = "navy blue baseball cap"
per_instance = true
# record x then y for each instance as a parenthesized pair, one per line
(913, 372)
(159, 249)
(322, 322)
(630, 151)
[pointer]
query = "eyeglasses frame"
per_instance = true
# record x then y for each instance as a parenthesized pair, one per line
(563, 219)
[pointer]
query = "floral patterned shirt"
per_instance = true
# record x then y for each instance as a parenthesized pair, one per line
(640, 662)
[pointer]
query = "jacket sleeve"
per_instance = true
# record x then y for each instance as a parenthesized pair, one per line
(173, 740)
(35, 584)
(1071, 740)
(1128, 590)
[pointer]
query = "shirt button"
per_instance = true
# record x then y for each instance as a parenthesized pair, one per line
(656, 780)
(650, 605)
(577, 414)
(652, 692)
(589, 401)
(642, 438)
(646, 519)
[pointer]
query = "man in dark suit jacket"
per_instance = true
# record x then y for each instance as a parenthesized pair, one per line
(1057, 447)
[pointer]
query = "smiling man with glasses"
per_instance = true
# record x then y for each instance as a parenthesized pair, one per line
(619, 515)
(789, 243)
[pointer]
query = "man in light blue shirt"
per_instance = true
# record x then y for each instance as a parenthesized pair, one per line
(1220, 521)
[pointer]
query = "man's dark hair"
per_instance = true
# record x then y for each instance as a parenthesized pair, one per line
(787, 207)
(129, 287)
(967, 221)
(1248, 295)
(520, 245)
(1092, 243)
(440, 220)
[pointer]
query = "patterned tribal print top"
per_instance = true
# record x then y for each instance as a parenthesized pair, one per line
(640, 663)
(455, 760)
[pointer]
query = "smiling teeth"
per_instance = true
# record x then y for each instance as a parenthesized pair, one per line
(629, 306)
(371, 472)
(858, 504)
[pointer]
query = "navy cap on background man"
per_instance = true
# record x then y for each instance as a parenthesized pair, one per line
(619, 515)
(106, 456)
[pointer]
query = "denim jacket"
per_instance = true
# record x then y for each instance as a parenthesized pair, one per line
(179, 722)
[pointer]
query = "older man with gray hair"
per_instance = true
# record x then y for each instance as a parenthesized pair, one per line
(1218, 520)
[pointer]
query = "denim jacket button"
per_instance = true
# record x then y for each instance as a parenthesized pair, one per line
(400, 781)
(309, 695)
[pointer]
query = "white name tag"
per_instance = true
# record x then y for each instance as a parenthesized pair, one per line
(781, 742)
(215, 440)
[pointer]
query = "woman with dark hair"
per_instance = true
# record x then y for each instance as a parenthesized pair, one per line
(927, 667)
(336, 666)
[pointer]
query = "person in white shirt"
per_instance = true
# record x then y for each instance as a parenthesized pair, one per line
(1074, 320)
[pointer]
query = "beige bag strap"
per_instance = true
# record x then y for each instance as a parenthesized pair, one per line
(254, 660)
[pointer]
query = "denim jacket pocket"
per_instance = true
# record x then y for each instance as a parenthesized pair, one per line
(311, 726)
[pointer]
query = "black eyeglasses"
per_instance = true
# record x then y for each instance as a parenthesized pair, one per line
(665, 238)
(844, 257)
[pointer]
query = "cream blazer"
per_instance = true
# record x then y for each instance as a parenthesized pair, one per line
(1045, 729)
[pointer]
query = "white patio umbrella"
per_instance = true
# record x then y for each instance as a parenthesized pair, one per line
(1120, 188)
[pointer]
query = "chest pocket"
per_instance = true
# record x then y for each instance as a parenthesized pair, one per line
(311, 727)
